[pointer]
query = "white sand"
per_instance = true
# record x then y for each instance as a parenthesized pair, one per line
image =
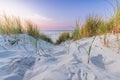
(65, 61)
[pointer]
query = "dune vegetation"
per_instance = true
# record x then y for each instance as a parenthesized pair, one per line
(14, 25)
(93, 26)
(89, 52)
(96, 25)
(63, 37)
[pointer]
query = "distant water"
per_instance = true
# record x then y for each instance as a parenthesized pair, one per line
(56, 30)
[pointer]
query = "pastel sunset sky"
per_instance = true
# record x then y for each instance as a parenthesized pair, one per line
(56, 14)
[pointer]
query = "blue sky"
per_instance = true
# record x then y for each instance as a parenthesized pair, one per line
(62, 14)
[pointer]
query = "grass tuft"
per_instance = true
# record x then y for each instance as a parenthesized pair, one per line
(32, 30)
(10, 25)
(92, 24)
(76, 34)
(45, 38)
(63, 37)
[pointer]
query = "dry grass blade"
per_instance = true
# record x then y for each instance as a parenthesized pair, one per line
(90, 48)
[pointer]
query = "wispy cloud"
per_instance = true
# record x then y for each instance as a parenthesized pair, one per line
(26, 13)
(37, 17)
(19, 10)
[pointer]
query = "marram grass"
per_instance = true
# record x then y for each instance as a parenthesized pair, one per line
(63, 37)
(10, 25)
(13, 25)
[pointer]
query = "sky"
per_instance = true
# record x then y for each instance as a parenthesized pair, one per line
(56, 14)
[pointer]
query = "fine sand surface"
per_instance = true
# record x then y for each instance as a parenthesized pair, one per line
(67, 61)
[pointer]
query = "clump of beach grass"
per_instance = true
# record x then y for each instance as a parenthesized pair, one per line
(32, 30)
(63, 37)
(116, 18)
(91, 27)
(46, 38)
(76, 34)
(94, 25)
(10, 25)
